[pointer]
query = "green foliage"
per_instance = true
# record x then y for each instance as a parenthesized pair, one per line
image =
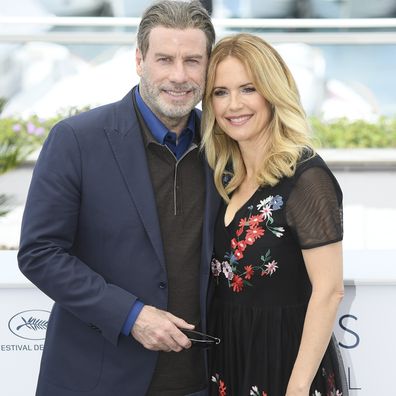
(19, 138)
(343, 133)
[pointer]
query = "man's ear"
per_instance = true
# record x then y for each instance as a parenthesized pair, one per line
(138, 61)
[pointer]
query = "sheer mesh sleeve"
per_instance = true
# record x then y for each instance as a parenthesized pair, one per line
(314, 209)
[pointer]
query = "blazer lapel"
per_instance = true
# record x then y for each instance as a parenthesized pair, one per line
(129, 152)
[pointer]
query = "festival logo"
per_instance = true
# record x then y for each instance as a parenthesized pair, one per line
(30, 325)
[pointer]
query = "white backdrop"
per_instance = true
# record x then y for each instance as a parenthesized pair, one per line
(365, 327)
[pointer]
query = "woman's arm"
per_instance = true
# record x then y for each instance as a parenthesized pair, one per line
(324, 267)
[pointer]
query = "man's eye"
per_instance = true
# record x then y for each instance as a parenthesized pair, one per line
(164, 60)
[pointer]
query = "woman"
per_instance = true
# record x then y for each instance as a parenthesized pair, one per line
(277, 265)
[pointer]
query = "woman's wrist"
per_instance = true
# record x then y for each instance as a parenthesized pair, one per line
(297, 389)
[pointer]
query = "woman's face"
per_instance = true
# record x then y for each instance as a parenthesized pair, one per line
(240, 111)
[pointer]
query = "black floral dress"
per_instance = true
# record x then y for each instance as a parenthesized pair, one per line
(261, 286)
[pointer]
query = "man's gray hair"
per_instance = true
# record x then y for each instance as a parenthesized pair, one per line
(175, 15)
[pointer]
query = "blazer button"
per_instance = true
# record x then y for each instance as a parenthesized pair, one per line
(162, 285)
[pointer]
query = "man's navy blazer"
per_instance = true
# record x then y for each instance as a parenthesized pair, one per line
(91, 241)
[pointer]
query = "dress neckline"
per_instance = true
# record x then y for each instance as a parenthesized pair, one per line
(227, 226)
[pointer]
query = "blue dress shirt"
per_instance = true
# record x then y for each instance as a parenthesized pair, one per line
(162, 134)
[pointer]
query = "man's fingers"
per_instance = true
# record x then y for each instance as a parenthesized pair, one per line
(179, 322)
(181, 339)
(157, 330)
(178, 335)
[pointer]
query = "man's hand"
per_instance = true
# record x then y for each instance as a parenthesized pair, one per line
(157, 330)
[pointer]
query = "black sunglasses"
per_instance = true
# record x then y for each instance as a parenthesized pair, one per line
(199, 339)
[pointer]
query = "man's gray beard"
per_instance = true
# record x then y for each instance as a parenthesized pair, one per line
(153, 100)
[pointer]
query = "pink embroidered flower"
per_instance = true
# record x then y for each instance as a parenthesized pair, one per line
(249, 271)
(266, 211)
(234, 243)
(271, 267)
(237, 284)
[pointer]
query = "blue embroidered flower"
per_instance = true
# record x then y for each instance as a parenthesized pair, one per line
(276, 202)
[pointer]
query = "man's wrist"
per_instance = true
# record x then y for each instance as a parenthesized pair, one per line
(131, 318)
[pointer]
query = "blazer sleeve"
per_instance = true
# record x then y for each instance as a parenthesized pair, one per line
(49, 229)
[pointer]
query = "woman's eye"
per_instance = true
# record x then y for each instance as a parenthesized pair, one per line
(219, 92)
(249, 89)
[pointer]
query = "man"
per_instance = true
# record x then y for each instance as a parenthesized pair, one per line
(118, 225)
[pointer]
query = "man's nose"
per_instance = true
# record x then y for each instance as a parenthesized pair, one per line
(178, 73)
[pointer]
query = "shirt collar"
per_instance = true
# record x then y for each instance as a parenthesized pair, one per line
(157, 128)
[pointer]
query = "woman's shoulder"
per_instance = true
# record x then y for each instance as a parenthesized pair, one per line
(311, 170)
(310, 159)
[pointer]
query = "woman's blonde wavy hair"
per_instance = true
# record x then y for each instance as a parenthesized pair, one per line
(288, 129)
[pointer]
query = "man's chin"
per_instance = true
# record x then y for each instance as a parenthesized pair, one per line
(178, 111)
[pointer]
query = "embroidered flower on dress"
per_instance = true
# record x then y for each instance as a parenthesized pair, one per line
(249, 271)
(243, 222)
(266, 211)
(278, 231)
(227, 270)
(221, 385)
(234, 243)
(238, 254)
(251, 228)
(250, 239)
(237, 283)
(239, 232)
(277, 202)
(222, 389)
(330, 385)
(255, 392)
(255, 220)
(216, 267)
(264, 202)
(241, 245)
(255, 233)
